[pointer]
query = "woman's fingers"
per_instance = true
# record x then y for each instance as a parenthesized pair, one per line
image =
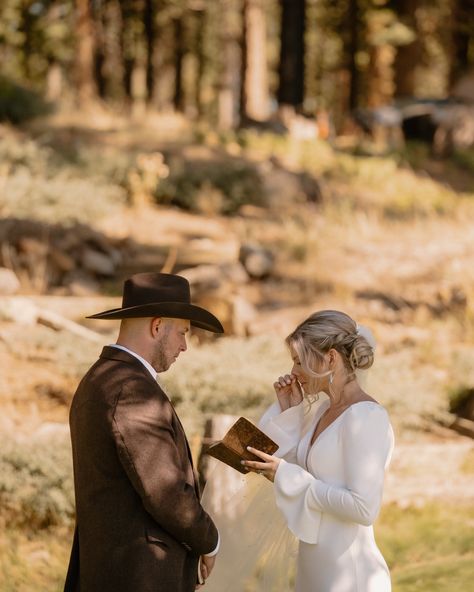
(259, 453)
(284, 382)
(255, 465)
(296, 389)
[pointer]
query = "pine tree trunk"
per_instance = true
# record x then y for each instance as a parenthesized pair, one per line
(86, 88)
(178, 99)
(26, 49)
(462, 27)
(230, 66)
(255, 92)
(291, 66)
(351, 53)
(407, 56)
(150, 36)
(200, 59)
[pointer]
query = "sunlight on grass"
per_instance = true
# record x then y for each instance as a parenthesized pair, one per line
(429, 548)
(35, 562)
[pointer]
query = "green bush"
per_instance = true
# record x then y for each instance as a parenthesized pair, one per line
(36, 483)
(211, 186)
(37, 183)
(18, 104)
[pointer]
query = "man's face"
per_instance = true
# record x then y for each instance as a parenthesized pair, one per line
(169, 343)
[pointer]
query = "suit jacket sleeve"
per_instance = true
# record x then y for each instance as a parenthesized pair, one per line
(147, 446)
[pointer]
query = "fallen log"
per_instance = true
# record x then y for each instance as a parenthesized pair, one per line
(57, 322)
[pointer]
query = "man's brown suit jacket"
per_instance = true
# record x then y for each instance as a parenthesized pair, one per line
(139, 523)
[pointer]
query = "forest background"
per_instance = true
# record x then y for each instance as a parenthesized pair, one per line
(285, 156)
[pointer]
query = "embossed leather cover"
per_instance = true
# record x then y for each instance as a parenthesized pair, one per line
(233, 446)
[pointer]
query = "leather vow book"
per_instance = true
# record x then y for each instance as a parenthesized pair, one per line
(233, 446)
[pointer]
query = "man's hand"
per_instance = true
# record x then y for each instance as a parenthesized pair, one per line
(206, 565)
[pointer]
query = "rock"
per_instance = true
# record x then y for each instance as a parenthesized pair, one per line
(234, 311)
(257, 261)
(33, 246)
(211, 277)
(203, 277)
(61, 260)
(243, 315)
(9, 283)
(97, 262)
(18, 310)
(235, 273)
(80, 283)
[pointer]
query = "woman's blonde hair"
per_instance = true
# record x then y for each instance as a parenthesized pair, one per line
(330, 329)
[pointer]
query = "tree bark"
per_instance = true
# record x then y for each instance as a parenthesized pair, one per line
(178, 98)
(86, 88)
(255, 92)
(200, 58)
(462, 27)
(291, 67)
(150, 37)
(229, 83)
(352, 47)
(407, 56)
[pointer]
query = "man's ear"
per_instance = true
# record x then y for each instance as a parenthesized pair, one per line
(155, 325)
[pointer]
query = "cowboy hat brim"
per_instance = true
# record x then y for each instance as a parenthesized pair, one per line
(198, 316)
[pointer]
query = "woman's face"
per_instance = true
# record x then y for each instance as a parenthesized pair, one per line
(310, 384)
(297, 369)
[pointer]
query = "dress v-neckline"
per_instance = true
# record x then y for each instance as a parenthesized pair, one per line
(318, 419)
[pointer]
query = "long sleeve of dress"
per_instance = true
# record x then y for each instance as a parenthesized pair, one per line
(366, 444)
(284, 427)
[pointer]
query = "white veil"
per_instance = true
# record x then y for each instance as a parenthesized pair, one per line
(257, 551)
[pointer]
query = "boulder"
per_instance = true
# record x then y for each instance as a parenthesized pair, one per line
(9, 283)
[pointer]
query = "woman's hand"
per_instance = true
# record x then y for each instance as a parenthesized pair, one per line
(267, 466)
(288, 391)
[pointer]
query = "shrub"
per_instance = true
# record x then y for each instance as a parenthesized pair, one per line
(37, 184)
(18, 104)
(222, 186)
(36, 483)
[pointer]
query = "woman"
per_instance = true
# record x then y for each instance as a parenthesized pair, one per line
(328, 479)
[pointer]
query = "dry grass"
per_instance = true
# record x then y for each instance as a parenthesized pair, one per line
(388, 244)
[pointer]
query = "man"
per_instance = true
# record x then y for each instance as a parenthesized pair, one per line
(140, 526)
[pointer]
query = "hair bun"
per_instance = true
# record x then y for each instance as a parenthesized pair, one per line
(362, 354)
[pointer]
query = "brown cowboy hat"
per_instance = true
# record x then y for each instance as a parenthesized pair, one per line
(160, 295)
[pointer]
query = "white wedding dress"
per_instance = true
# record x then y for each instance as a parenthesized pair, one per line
(319, 512)
(330, 493)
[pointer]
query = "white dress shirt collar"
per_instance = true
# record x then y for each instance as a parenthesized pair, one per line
(147, 364)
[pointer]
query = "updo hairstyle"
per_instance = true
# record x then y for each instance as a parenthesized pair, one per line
(331, 329)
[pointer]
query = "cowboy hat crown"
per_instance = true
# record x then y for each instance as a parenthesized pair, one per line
(160, 295)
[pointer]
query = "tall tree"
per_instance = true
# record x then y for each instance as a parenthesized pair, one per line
(229, 89)
(149, 20)
(409, 50)
(291, 67)
(351, 48)
(84, 67)
(255, 93)
(462, 38)
(179, 51)
(200, 13)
